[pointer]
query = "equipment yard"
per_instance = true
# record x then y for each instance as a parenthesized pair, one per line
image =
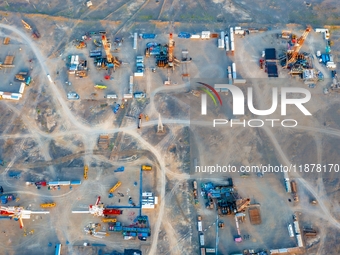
(124, 127)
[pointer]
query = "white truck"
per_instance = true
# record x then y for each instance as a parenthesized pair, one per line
(199, 223)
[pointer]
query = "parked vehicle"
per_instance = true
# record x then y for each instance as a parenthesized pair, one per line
(117, 107)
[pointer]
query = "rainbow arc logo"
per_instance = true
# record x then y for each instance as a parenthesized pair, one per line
(204, 97)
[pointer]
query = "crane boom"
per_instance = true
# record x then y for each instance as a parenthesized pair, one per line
(298, 45)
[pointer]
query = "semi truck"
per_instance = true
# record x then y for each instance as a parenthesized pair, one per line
(199, 223)
(201, 239)
(294, 191)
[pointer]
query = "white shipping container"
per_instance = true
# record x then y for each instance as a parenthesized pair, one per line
(232, 46)
(127, 96)
(238, 28)
(205, 35)
(135, 41)
(231, 34)
(76, 60)
(72, 59)
(283, 250)
(220, 43)
(296, 227)
(240, 81)
(226, 39)
(239, 32)
(321, 30)
(222, 35)
(234, 67)
(299, 240)
(22, 88)
(111, 96)
(290, 230)
(199, 225)
(138, 74)
(195, 36)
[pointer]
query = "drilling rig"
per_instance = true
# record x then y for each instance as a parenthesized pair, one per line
(297, 47)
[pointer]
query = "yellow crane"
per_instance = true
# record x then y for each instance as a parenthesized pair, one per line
(298, 46)
(115, 187)
(86, 169)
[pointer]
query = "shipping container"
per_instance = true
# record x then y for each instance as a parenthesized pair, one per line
(127, 96)
(111, 96)
(202, 251)
(58, 249)
(75, 182)
(231, 34)
(139, 95)
(195, 36)
(205, 35)
(233, 67)
(210, 250)
(138, 74)
(135, 41)
(232, 46)
(226, 42)
(287, 185)
(94, 54)
(72, 59)
(293, 186)
(64, 183)
(240, 81)
(149, 36)
(239, 32)
(184, 35)
(290, 230)
(222, 35)
(296, 227)
(299, 240)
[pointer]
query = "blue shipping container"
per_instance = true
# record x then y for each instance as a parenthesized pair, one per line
(54, 183)
(75, 182)
(149, 36)
(184, 35)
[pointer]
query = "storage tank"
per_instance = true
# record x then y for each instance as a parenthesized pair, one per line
(299, 240)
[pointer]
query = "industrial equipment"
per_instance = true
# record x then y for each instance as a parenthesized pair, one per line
(109, 220)
(146, 168)
(98, 209)
(171, 52)
(45, 205)
(115, 187)
(18, 213)
(140, 121)
(238, 238)
(81, 45)
(86, 168)
(298, 46)
(28, 27)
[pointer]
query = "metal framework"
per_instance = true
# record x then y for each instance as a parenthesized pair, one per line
(298, 46)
